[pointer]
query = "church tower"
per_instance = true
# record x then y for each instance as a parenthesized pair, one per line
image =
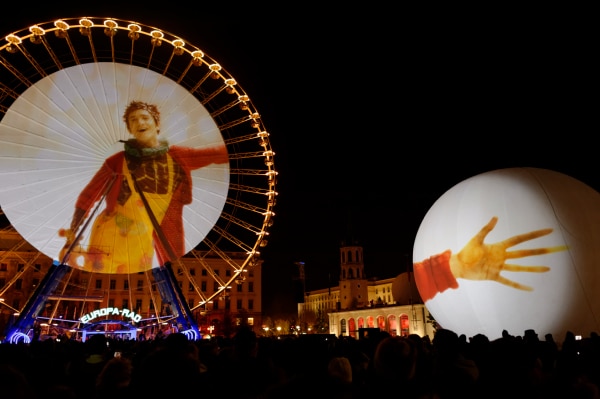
(353, 281)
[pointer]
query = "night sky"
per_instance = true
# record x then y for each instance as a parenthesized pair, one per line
(374, 113)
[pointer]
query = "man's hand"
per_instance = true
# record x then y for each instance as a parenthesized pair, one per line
(480, 261)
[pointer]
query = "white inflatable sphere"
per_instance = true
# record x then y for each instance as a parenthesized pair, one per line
(565, 298)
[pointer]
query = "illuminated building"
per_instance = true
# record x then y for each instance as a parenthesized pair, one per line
(22, 269)
(358, 303)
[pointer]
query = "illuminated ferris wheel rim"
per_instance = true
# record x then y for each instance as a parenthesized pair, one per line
(111, 27)
(191, 68)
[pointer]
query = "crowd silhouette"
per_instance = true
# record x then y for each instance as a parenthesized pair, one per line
(248, 366)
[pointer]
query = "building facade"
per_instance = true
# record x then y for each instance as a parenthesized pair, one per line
(200, 276)
(357, 303)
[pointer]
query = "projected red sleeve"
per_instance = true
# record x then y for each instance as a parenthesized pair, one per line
(433, 275)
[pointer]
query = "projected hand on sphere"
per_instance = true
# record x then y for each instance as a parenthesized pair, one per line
(479, 261)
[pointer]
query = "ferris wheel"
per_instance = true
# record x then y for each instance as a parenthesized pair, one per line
(68, 89)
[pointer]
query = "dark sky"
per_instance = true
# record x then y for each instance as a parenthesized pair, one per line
(375, 113)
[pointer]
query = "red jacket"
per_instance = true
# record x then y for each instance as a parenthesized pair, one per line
(433, 275)
(172, 223)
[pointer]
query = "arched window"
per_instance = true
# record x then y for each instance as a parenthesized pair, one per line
(349, 257)
(404, 325)
(370, 322)
(392, 325)
(352, 330)
(381, 322)
(343, 326)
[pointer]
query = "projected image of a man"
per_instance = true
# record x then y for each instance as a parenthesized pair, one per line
(144, 188)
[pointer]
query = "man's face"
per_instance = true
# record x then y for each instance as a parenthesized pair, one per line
(142, 126)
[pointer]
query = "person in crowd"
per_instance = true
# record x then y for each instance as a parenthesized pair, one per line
(168, 364)
(114, 379)
(454, 374)
(87, 363)
(14, 383)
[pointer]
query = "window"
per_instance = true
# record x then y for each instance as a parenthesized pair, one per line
(113, 284)
(138, 305)
(361, 322)
(392, 325)
(36, 282)
(125, 303)
(203, 285)
(250, 304)
(251, 286)
(37, 267)
(239, 304)
(404, 325)
(140, 285)
(2, 282)
(192, 272)
(381, 323)
(227, 304)
(215, 286)
(228, 272)
(3, 267)
(180, 284)
(19, 284)
(216, 272)
(204, 272)
(98, 284)
(20, 267)
(216, 305)
(352, 327)
(239, 287)
(125, 284)
(111, 303)
(190, 286)
(191, 303)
